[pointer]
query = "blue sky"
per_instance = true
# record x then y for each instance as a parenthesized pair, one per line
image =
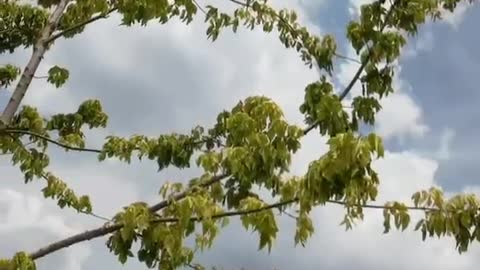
(167, 78)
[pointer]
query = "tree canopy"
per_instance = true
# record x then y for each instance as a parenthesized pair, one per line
(250, 146)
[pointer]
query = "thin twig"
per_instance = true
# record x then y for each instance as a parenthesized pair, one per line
(43, 137)
(44, 176)
(289, 215)
(199, 7)
(96, 215)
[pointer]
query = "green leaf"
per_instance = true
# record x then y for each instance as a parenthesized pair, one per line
(57, 76)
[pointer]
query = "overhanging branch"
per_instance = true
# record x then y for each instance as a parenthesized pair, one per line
(285, 203)
(110, 228)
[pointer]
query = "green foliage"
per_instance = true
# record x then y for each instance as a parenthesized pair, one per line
(262, 222)
(33, 161)
(57, 189)
(20, 25)
(323, 108)
(144, 11)
(21, 261)
(257, 12)
(8, 74)
(5, 264)
(458, 217)
(173, 149)
(79, 12)
(250, 146)
(57, 76)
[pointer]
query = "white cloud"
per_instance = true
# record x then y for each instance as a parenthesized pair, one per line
(455, 18)
(445, 142)
(422, 43)
(27, 213)
(400, 117)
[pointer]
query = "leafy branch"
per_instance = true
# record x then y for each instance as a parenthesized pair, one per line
(355, 78)
(110, 228)
(292, 29)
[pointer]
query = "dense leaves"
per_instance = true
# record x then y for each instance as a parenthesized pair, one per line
(248, 149)
(20, 25)
(57, 76)
(8, 74)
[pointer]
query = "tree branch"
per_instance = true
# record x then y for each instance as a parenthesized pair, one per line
(179, 196)
(81, 237)
(39, 50)
(109, 228)
(367, 59)
(355, 78)
(291, 28)
(284, 203)
(43, 137)
(79, 25)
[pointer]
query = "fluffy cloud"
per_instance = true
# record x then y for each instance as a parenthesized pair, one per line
(26, 224)
(455, 18)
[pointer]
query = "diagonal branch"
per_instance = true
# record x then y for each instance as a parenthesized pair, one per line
(79, 25)
(39, 50)
(367, 59)
(95, 233)
(355, 78)
(43, 137)
(110, 228)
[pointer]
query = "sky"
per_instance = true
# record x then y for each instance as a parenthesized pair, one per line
(169, 78)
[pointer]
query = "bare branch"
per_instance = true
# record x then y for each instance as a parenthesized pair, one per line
(199, 7)
(81, 237)
(39, 50)
(40, 136)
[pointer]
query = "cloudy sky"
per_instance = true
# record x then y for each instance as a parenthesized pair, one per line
(166, 78)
